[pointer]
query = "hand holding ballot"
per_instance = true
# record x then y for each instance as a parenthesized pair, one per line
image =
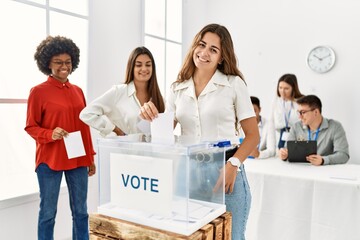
(149, 111)
(162, 125)
(58, 133)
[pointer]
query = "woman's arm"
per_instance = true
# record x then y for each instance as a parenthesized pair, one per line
(94, 114)
(251, 140)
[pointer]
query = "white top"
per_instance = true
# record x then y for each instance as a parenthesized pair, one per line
(212, 115)
(118, 106)
(267, 145)
(280, 112)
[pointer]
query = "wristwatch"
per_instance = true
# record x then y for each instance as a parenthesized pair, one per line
(234, 161)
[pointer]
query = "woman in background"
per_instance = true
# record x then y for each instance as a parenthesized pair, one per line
(117, 110)
(284, 115)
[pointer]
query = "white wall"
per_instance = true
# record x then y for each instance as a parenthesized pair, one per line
(274, 37)
(115, 30)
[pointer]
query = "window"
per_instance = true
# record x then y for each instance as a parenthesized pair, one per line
(21, 34)
(163, 37)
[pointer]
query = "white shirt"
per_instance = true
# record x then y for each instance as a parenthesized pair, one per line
(267, 147)
(212, 115)
(280, 114)
(118, 106)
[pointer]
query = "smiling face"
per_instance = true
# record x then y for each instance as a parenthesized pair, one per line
(143, 68)
(61, 67)
(285, 90)
(207, 55)
(306, 114)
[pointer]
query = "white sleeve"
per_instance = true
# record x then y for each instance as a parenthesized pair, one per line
(270, 144)
(170, 103)
(243, 106)
(95, 113)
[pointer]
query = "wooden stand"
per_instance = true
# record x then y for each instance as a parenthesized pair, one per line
(108, 228)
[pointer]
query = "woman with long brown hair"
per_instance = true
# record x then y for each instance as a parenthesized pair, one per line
(117, 110)
(210, 99)
(284, 115)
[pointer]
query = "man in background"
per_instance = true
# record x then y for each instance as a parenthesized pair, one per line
(332, 145)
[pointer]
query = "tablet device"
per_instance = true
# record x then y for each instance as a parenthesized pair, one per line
(298, 150)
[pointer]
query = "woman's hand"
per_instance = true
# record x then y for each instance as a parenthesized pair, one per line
(59, 133)
(91, 169)
(118, 131)
(230, 177)
(148, 111)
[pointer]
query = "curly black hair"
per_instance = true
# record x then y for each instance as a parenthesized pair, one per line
(53, 46)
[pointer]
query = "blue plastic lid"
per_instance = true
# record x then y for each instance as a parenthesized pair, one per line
(223, 144)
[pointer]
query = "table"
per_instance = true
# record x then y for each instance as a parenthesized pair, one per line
(298, 201)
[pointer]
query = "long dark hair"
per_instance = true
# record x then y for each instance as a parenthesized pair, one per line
(229, 63)
(153, 87)
(292, 81)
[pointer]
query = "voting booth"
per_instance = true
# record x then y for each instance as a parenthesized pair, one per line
(177, 188)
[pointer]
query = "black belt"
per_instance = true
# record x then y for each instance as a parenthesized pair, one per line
(230, 152)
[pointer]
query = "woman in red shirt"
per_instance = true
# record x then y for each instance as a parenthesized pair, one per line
(52, 114)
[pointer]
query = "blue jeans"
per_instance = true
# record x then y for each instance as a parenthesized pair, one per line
(238, 203)
(49, 184)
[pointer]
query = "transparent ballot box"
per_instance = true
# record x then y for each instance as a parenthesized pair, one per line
(177, 188)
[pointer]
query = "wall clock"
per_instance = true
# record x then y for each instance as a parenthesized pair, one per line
(321, 59)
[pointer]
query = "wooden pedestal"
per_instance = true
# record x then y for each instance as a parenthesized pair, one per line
(108, 228)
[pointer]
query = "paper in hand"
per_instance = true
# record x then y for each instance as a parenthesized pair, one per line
(162, 128)
(74, 145)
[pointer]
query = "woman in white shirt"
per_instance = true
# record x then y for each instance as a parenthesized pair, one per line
(210, 99)
(117, 110)
(284, 115)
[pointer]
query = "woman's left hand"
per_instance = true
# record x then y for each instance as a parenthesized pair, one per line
(230, 177)
(91, 169)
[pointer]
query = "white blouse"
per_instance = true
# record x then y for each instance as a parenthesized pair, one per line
(118, 106)
(211, 116)
(282, 112)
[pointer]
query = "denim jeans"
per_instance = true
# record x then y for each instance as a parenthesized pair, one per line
(49, 184)
(238, 203)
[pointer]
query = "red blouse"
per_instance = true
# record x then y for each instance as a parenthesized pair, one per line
(54, 104)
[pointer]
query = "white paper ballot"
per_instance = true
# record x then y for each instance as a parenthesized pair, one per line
(74, 145)
(162, 128)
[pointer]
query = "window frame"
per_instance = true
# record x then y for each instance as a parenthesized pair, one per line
(166, 40)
